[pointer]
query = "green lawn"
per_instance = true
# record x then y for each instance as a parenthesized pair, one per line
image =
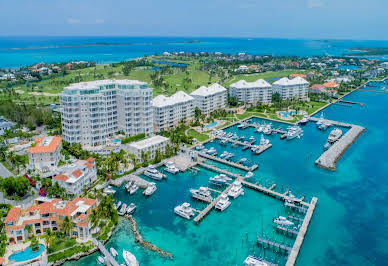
(195, 134)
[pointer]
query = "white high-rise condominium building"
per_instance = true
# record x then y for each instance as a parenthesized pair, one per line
(259, 91)
(94, 111)
(211, 98)
(288, 89)
(169, 111)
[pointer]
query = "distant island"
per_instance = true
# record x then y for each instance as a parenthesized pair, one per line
(97, 44)
(368, 51)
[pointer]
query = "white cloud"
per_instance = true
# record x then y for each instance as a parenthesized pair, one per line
(99, 21)
(315, 3)
(73, 20)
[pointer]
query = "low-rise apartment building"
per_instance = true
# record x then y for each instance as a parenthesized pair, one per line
(76, 176)
(49, 216)
(288, 89)
(259, 91)
(149, 145)
(211, 98)
(45, 152)
(169, 111)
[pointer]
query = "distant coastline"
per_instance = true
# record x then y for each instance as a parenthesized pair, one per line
(367, 51)
(98, 45)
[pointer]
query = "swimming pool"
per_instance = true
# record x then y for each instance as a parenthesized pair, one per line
(26, 254)
(211, 124)
(115, 141)
(287, 114)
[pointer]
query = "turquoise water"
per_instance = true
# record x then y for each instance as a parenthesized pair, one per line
(348, 226)
(287, 114)
(26, 254)
(211, 124)
(116, 141)
(349, 67)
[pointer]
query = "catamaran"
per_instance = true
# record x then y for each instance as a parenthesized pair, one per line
(184, 210)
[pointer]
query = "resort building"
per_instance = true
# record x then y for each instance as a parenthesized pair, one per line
(45, 153)
(94, 111)
(259, 91)
(318, 88)
(288, 89)
(211, 98)
(76, 176)
(149, 145)
(49, 216)
(169, 111)
(5, 125)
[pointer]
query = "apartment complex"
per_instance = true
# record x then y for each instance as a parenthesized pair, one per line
(94, 111)
(169, 111)
(211, 98)
(49, 216)
(45, 152)
(76, 176)
(259, 91)
(149, 145)
(288, 89)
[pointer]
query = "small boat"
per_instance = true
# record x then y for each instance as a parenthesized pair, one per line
(304, 120)
(171, 168)
(242, 160)
(129, 258)
(212, 151)
(223, 203)
(324, 126)
(236, 190)
(184, 210)
(335, 135)
(251, 139)
(224, 141)
(281, 220)
(200, 147)
(151, 172)
(254, 148)
(268, 129)
(248, 175)
(123, 209)
(131, 208)
(263, 142)
(229, 155)
(219, 180)
(259, 129)
(133, 189)
(128, 185)
(113, 252)
(320, 120)
(224, 154)
(100, 260)
(150, 190)
(202, 193)
(327, 146)
(109, 190)
(117, 205)
(254, 261)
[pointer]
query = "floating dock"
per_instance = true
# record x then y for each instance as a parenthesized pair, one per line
(235, 165)
(302, 232)
(262, 149)
(109, 259)
(212, 167)
(287, 231)
(276, 246)
(350, 102)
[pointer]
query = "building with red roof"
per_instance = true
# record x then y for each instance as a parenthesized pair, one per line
(45, 152)
(318, 88)
(49, 216)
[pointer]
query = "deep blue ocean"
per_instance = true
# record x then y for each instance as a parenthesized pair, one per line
(50, 49)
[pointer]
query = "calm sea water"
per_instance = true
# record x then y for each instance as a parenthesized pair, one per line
(141, 46)
(348, 226)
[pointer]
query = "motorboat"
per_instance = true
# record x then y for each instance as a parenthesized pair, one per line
(335, 135)
(251, 139)
(259, 128)
(320, 120)
(151, 172)
(117, 205)
(236, 190)
(249, 174)
(133, 189)
(243, 125)
(150, 190)
(223, 203)
(200, 147)
(224, 154)
(293, 132)
(324, 125)
(131, 208)
(327, 145)
(254, 261)
(123, 209)
(229, 155)
(242, 161)
(268, 129)
(304, 120)
(109, 190)
(128, 185)
(129, 258)
(281, 220)
(113, 252)
(202, 193)
(263, 142)
(184, 210)
(100, 260)
(212, 151)
(219, 179)
(292, 198)
(224, 141)
(171, 168)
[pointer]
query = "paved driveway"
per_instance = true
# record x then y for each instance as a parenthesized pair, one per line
(4, 171)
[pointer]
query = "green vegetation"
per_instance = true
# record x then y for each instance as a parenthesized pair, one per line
(4, 209)
(133, 138)
(191, 133)
(34, 245)
(70, 252)
(14, 187)
(56, 241)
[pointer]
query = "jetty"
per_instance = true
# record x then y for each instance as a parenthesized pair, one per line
(235, 165)
(302, 232)
(373, 90)
(287, 231)
(215, 169)
(274, 245)
(109, 259)
(262, 149)
(295, 218)
(131, 177)
(350, 102)
(140, 240)
(329, 158)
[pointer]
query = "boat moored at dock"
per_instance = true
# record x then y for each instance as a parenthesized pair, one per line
(171, 168)
(150, 190)
(335, 135)
(129, 258)
(236, 189)
(254, 261)
(223, 203)
(281, 220)
(131, 209)
(113, 252)
(184, 210)
(133, 189)
(219, 180)
(151, 172)
(202, 193)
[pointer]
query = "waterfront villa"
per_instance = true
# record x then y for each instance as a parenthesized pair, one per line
(211, 98)
(149, 145)
(45, 153)
(288, 89)
(169, 111)
(318, 88)
(76, 176)
(92, 112)
(259, 91)
(49, 216)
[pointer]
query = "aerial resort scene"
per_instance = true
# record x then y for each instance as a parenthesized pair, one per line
(184, 138)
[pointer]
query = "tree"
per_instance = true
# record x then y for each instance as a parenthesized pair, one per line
(15, 186)
(48, 238)
(67, 225)
(232, 101)
(34, 245)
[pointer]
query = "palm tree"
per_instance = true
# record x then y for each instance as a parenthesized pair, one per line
(67, 225)
(94, 218)
(48, 238)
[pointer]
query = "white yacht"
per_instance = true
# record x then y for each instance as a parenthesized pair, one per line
(263, 141)
(236, 190)
(113, 252)
(304, 120)
(320, 120)
(184, 210)
(123, 209)
(128, 185)
(171, 168)
(100, 260)
(335, 135)
(151, 172)
(268, 129)
(249, 174)
(150, 190)
(130, 259)
(253, 261)
(133, 189)
(259, 128)
(202, 193)
(219, 179)
(281, 220)
(251, 139)
(200, 147)
(131, 208)
(223, 203)
(212, 151)
(293, 132)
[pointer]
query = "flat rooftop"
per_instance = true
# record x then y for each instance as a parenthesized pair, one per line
(145, 143)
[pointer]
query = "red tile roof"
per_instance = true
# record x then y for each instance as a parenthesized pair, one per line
(89, 165)
(298, 75)
(51, 147)
(86, 201)
(91, 159)
(77, 173)
(60, 177)
(12, 215)
(331, 84)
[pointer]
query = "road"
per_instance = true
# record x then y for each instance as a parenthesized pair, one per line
(4, 171)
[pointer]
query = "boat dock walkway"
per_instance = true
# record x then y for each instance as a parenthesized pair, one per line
(350, 102)
(276, 246)
(109, 259)
(374, 90)
(235, 165)
(262, 149)
(302, 232)
(211, 167)
(287, 231)
(295, 218)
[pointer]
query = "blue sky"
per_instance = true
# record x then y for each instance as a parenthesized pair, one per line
(343, 19)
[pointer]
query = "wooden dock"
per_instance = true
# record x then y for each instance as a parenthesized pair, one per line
(287, 231)
(276, 246)
(109, 259)
(261, 149)
(212, 167)
(295, 218)
(373, 90)
(350, 102)
(235, 165)
(302, 232)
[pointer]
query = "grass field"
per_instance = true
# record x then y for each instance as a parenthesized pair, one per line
(195, 134)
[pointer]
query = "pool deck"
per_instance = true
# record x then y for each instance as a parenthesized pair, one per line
(39, 260)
